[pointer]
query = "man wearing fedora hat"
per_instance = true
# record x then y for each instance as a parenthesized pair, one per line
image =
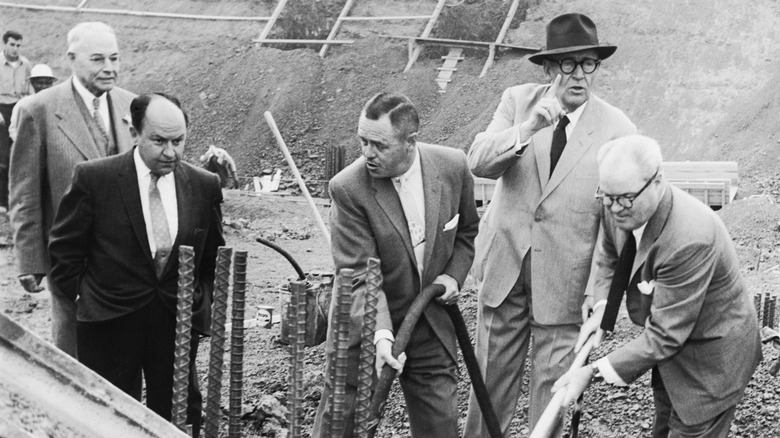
(535, 247)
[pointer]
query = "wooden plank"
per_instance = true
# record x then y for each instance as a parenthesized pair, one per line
(275, 41)
(389, 18)
(337, 25)
(463, 43)
(501, 35)
(414, 48)
(274, 16)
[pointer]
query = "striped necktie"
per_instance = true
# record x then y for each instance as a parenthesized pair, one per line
(162, 234)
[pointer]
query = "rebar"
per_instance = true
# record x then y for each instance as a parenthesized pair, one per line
(367, 348)
(772, 308)
(765, 322)
(237, 344)
(344, 305)
(297, 320)
(217, 350)
(757, 304)
(181, 358)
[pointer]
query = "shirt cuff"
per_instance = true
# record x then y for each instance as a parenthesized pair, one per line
(608, 373)
(599, 304)
(383, 334)
(520, 145)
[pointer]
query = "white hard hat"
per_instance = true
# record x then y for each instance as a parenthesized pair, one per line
(41, 71)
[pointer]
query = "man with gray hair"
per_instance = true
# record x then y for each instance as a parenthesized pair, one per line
(83, 118)
(673, 259)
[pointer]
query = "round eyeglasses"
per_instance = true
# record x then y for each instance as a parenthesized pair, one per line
(625, 200)
(568, 65)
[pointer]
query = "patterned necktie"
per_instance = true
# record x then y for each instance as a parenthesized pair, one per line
(414, 220)
(620, 282)
(558, 142)
(162, 234)
(100, 122)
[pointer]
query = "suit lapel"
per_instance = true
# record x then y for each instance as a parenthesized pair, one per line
(542, 144)
(654, 227)
(432, 189)
(576, 146)
(73, 125)
(128, 187)
(119, 123)
(388, 201)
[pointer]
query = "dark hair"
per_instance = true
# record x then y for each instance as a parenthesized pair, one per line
(139, 105)
(400, 109)
(11, 34)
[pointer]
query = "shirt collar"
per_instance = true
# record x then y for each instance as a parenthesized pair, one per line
(87, 95)
(414, 170)
(575, 115)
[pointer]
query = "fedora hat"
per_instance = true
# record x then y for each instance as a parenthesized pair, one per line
(569, 33)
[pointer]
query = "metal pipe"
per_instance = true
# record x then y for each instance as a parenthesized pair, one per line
(388, 374)
(217, 350)
(344, 308)
(181, 358)
(286, 255)
(237, 344)
(294, 169)
(367, 349)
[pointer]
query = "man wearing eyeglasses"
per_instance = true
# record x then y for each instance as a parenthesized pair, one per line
(536, 242)
(673, 259)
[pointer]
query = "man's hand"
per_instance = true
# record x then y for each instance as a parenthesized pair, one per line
(546, 112)
(592, 325)
(218, 161)
(575, 382)
(384, 355)
(31, 282)
(451, 292)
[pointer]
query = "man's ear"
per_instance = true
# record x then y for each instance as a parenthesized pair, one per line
(547, 67)
(134, 134)
(411, 140)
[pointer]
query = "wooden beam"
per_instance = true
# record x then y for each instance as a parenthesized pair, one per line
(337, 25)
(415, 48)
(272, 20)
(501, 35)
(282, 41)
(132, 13)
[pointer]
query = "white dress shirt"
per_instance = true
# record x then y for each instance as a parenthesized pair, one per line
(88, 97)
(166, 184)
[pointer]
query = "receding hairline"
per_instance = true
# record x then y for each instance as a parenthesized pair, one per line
(81, 31)
(636, 150)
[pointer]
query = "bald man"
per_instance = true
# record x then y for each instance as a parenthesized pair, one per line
(672, 258)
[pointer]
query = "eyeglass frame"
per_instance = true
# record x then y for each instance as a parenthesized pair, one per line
(628, 197)
(577, 64)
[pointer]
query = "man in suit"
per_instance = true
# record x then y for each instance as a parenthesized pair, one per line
(411, 205)
(536, 240)
(114, 248)
(83, 118)
(701, 335)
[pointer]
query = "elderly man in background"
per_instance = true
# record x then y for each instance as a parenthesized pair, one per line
(14, 71)
(84, 118)
(411, 205)
(41, 78)
(536, 241)
(673, 259)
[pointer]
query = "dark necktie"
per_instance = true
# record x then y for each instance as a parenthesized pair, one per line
(162, 234)
(558, 142)
(620, 282)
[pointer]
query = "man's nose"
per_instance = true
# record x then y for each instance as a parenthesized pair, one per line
(168, 149)
(369, 151)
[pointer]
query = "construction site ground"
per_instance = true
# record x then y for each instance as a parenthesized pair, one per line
(700, 76)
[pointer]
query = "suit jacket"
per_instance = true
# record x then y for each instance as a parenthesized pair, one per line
(702, 330)
(555, 215)
(367, 220)
(52, 138)
(100, 250)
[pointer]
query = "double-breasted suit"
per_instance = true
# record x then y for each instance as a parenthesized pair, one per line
(101, 255)
(367, 220)
(535, 246)
(700, 325)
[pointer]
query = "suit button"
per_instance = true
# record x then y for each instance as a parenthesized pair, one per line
(538, 218)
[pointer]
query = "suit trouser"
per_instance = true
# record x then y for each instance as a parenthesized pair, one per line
(503, 338)
(5, 152)
(120, 349)
(63, 321)
(666, 415)
(429, 384)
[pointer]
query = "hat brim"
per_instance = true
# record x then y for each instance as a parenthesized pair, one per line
(43, 77)
(603, 51)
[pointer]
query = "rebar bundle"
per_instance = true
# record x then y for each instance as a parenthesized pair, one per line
(367, 349)
(341, 340)
(772, 305)
(217, 350)
(237, 344)
(757, 303)
(297, 318)
(181, 361)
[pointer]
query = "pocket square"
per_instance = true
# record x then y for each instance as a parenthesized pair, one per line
(452, 223)
(645, 287)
